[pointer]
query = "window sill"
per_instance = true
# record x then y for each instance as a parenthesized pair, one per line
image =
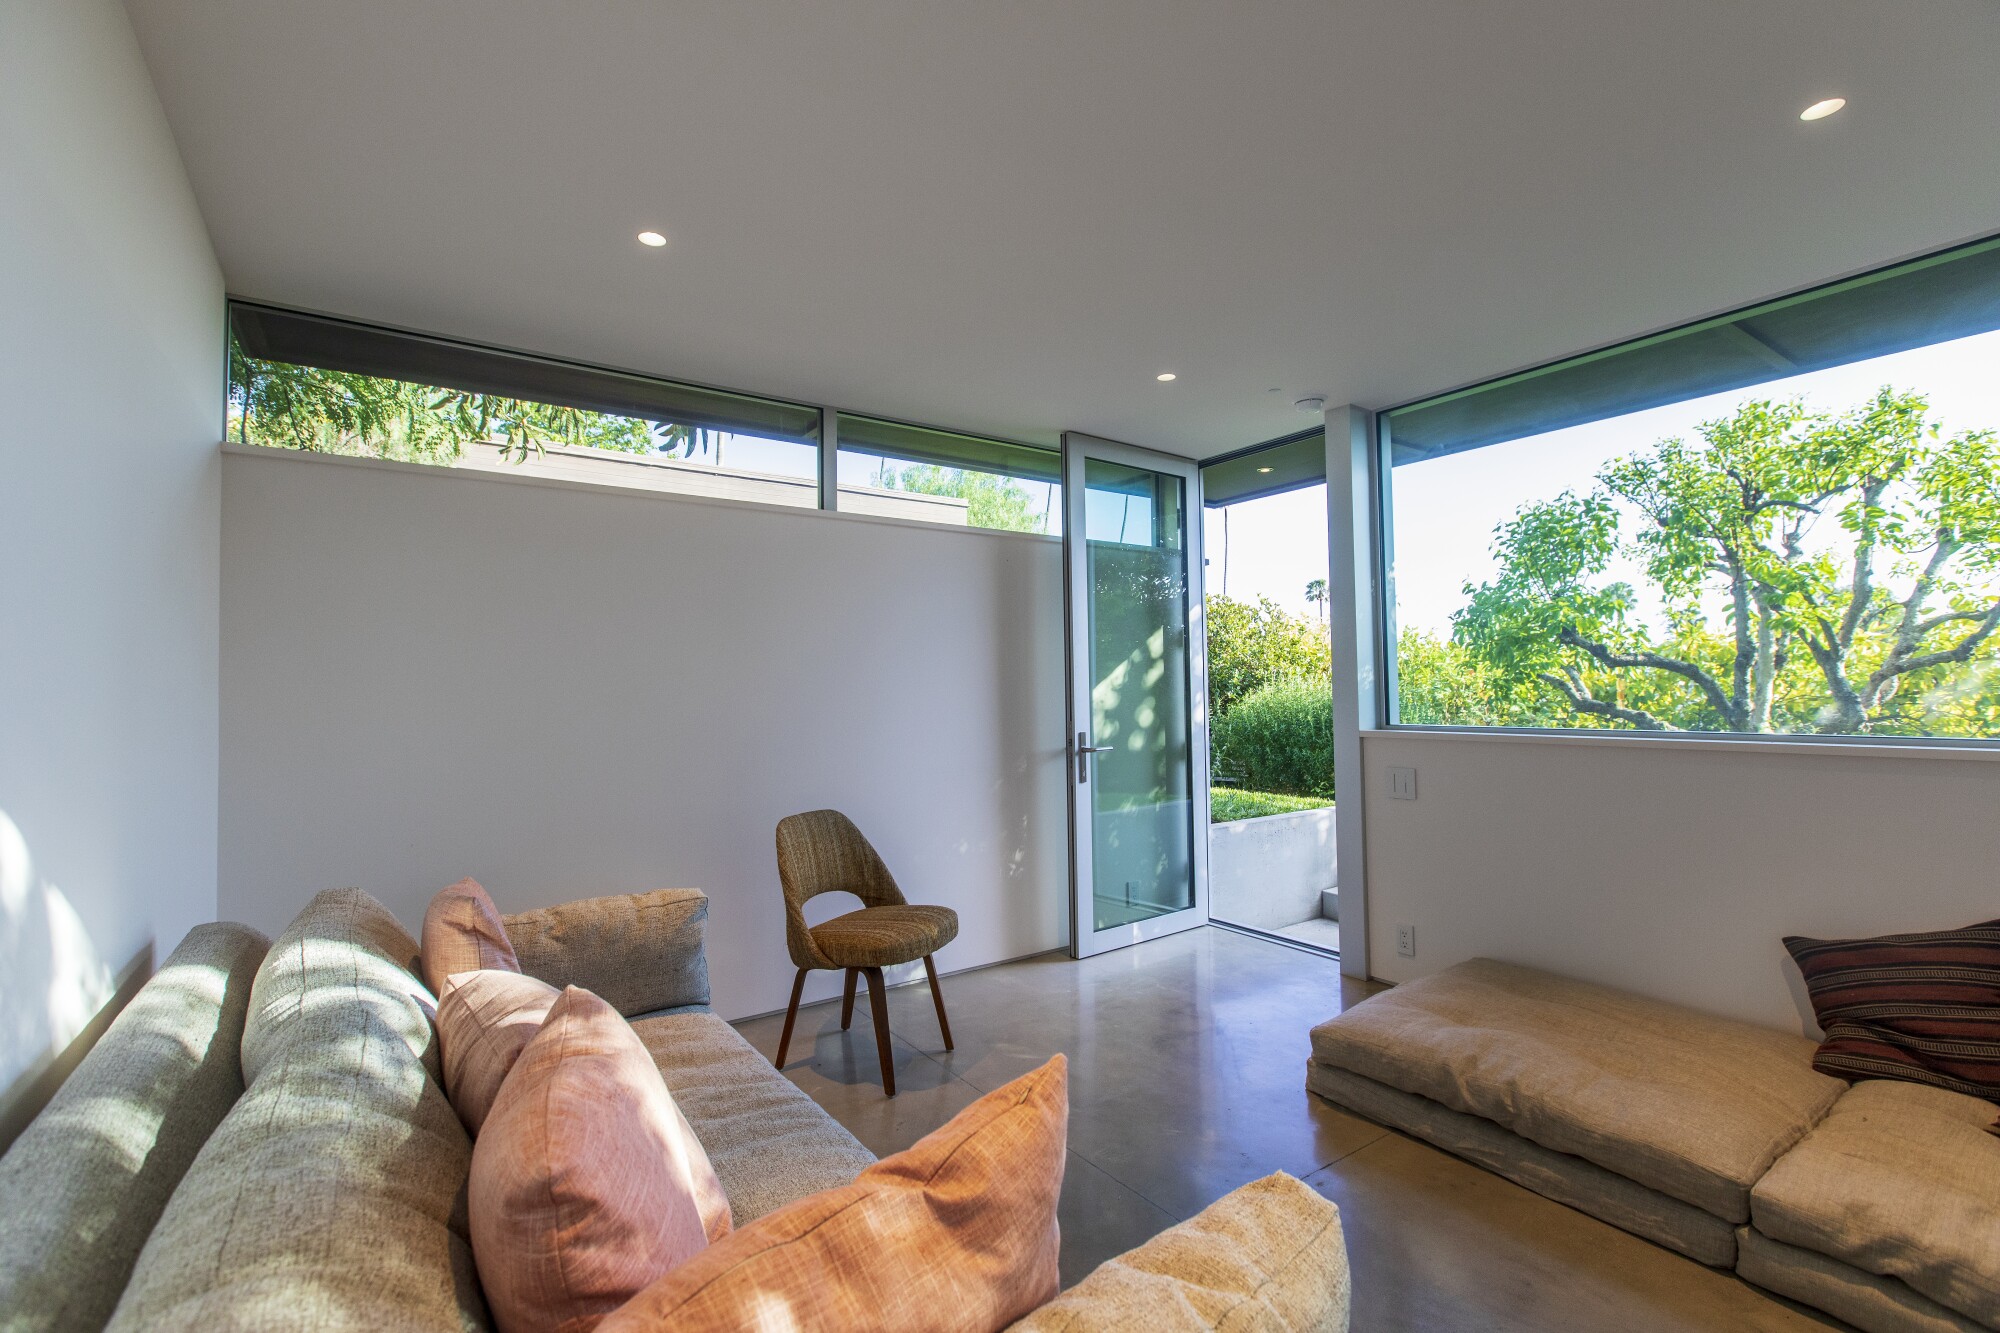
(1897, 748)
(237, 449)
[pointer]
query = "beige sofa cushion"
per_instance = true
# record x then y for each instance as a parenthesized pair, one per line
(343, 942)
(332, 1197)
(768, 1141)
(1693, 1106)
(1267, 1257)
(86, 1181)
(1903, 1181)
(639, 952)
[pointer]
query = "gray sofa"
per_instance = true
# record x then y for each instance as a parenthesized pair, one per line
(261, 1141)
(1878, 1203)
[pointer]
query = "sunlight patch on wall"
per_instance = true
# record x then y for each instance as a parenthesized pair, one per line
(55, 981)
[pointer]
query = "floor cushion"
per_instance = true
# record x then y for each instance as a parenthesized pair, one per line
(1694, 1106)
(1569, 1180)
(1900, 1180)
(1871, 1303)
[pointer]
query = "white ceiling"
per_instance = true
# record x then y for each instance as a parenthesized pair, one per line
(1010, 215)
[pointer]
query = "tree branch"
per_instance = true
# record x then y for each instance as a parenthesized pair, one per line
(1707, 684)
(1962, 651)
(1570, 683)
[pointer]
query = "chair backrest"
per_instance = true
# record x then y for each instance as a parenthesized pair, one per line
(822, 852)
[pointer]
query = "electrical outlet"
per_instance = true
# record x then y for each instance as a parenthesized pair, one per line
(1406, 941)
(1402, 784)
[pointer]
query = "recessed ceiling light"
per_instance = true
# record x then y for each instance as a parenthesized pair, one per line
(1164, 378)
(1821, 110)
(1263, 469)
(652, 238)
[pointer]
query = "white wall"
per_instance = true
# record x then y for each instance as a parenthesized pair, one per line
(565, 692)
(111, 375)
(1671, 869)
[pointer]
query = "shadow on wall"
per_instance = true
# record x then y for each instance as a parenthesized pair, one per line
(52, 980)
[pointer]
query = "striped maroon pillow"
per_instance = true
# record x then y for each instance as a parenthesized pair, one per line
(1923, 1008)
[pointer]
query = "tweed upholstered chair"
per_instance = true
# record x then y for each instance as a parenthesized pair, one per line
(822, 852)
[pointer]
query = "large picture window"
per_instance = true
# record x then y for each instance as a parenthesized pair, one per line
(1782, 521)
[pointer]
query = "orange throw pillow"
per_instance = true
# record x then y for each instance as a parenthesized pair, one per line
(484, 1020)
(463, 933)
(957, 1233)
(587, 1183)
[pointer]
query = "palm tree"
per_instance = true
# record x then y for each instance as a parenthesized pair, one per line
(1316, 594)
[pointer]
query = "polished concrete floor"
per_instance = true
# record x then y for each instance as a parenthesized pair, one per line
(1187, 1078)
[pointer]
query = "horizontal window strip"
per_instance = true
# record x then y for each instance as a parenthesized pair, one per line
(943, 448)
(269, 333)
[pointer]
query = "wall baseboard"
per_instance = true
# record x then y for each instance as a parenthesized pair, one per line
(34, 1089)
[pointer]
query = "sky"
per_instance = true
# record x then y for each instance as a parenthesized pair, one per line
(1445, 510)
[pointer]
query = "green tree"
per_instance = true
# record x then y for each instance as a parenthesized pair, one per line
(1826, 572)
(330, 411)
(1316, 595)
(1443, 683)
(1254, 645)
(992, 500)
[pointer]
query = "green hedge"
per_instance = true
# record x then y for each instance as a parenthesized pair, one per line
(1280, 738)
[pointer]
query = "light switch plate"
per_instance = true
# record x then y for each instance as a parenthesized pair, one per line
(1402, 784)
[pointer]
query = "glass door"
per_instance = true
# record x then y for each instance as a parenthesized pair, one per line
(1137, 694)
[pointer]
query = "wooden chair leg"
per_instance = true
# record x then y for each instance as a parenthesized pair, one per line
(937, 997)
(847, 999)
(791, 1016)
(878, 1000)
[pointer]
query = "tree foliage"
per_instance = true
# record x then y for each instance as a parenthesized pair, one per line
(1279, 738)
(1252, 645)
(1829, 572)
(992, 500)
(331, 411)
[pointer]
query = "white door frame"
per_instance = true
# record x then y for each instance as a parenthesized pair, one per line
(1085, 939)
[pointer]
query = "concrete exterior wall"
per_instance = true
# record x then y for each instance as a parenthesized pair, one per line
(1270, 872)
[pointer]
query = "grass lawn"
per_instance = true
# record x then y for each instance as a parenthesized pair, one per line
(1227, 803)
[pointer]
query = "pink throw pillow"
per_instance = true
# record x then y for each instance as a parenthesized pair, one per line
(957, 1234)
(484, 1021)
(587, 1183)
(463, 933)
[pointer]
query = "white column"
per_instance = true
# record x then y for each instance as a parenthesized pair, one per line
(1354, 608)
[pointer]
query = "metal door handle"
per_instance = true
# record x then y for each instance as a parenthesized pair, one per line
(1082, 749)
